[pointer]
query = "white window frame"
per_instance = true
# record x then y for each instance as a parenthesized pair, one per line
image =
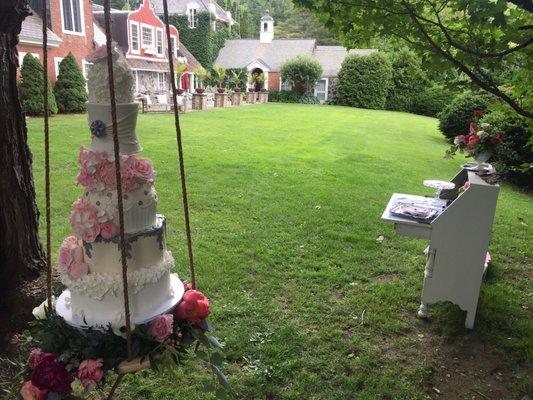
(192, 15)
(85, 68)
(157, 32)
(161, 83)
(146, 26)
(23, 53)
(326, 88)
(139, 40)
(82, 19)
(57, 61)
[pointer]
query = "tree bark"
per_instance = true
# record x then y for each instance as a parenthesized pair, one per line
(21, 255)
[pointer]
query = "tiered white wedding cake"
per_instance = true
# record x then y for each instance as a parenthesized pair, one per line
(90, 260)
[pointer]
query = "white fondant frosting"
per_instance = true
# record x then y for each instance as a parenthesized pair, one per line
(98, 285)
(98, 83)
(139, 206)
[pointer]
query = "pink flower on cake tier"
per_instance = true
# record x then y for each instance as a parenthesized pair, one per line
(65, 251)
(142, 168)
(30, 392)
(77, 269)
(161, 327)
(90, 373)
(107, 174)
(84, 221)
(193, 307)
(108, 230)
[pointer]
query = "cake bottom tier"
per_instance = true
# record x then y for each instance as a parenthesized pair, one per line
(149, 296)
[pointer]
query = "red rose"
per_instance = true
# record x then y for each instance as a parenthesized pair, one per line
(495, 140)
(193, 307)
(51, 374)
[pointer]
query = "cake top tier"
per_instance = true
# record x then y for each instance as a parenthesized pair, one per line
(98, 77)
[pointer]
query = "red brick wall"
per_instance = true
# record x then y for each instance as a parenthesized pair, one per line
(273, 81)
(80, 46)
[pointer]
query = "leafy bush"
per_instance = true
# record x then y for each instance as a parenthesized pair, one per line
(432, 101)
(284, 96)
(364, 81)
(456, 117)
(302, 72)
(408, 80)
(309, 99)
(237, 77)
(69, 90)
(31, 88)
(516, 152)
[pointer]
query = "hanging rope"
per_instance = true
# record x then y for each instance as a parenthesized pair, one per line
(116, 149)
(47, 159)
(192, 273)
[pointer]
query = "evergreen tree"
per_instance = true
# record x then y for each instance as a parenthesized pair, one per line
(69, 90)
(31, 87)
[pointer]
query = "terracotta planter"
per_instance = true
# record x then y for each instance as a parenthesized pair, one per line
(200, 90)
(221, 90)
(180, 91)
(237, 90)
(263, 90)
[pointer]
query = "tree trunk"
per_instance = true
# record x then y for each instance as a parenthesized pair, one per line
(21, 255)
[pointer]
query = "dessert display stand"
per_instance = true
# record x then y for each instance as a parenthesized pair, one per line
(121, 113)
(458, 240)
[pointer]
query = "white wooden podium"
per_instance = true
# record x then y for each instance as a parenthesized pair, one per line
(458, 242)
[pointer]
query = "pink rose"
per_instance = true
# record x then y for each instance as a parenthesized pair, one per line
(90, 373)
(84, 221)
(77, 269)
(35, 357)
(161, 327)
(193, 307)
(143, 169)
(30, 392)
(108, 230)
(108, 175)
(65, 251)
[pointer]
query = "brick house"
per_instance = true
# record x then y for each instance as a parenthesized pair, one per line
(70, 29)
(191, 8)
(267, 54)
(141, 35)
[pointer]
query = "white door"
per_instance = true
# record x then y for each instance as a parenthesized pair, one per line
(321, 90)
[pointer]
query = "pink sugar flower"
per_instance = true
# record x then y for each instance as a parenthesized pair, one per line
(142, 169)
(90, 373)
(84, 221)
(65, 251)
(108, 230)
(161, 327)
(77, 269)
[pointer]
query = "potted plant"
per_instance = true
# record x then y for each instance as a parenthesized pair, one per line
(179, 71)
(179, 91)
(218, 75)
(202, 75)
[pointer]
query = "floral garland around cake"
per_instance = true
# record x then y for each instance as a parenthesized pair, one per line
(70, 362)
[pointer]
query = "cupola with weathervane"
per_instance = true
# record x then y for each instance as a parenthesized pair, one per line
(267, 29)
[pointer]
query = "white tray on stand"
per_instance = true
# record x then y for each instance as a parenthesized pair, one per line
(64, 310)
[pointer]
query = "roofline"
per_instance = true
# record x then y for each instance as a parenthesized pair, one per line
(33, 41)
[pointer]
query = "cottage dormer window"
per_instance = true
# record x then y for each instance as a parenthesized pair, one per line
(159, 41)
(147, 36)
(72, 16)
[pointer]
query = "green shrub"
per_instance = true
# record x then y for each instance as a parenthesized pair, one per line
(456, 117)
(309, 99)
(31, 88)
(302, 72)
(408, 80)
(516, 152)
(432, 101)
(364, 81)
(69, 90)
(283, 96)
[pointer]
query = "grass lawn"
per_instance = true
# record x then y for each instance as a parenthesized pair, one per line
(285, 205)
